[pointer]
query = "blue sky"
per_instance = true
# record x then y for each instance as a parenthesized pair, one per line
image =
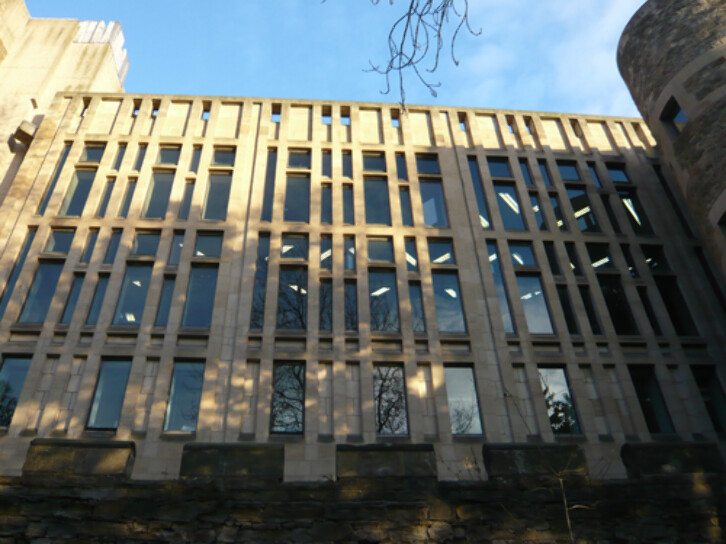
(545, 55)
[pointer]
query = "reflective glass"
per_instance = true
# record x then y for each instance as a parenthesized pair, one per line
(12, 379)
(196, 156)
(575, 265)
(559, 216)
(635, 212)
(567, 310)
(537, 210)
(326, 204)
(441, 251)
(292, 298)
(712, 395)
(77, 193)
(260, 288)
(479, 192)
(500, 287)
(294, 246)
(145, 243)
(427, 163)
(568, 170)
(463, 403)
(268, 198)
(60, 241)
(378, 210)
(186, 203)
(499, 167)
(434, 204)
(383, 297)
(132, 300)
(109, 396)
(655, 258)
(449, 309)
(326, 305)
(92, 153)
(169, 155)
(200, 296)
(585, 216)
(630, 263)
(90, 245)
(617, 173)
(535, 305)
(167, 293)
(106, 198)
(401, 168)
(299, 158)
(72, 299)
(593, 174)
(297, 199)
(590, 309)
(349, 253)
(552, 258)
(326, 252)
(676, 305)
(389, 391)
(217, 201)
(140, 157)
(17, 267)
(526, 174)
(157, 199)
(287, 414)
(128, 198)
(544, 171)
(559, 402)
(522, 254)
(177, 244)
(652, 319)
(224, 156)
(112, 249)
(327, 163)
(209, 244)
(600, 258)
(380, 249)
(417, 309)
(411, 255)
(617, 304)
(374, 161)
(350, 304)
(347, 165)
(54, 181)
(348, 209)
(406, 215)
(509, 207)
(41, 292)
(97, 302)
(185, 394)
(610, 213)
(651, 399)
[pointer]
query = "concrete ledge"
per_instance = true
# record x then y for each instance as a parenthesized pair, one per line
(386, 460)
(238, 461)
(511, 460)
(79, 458)
(653, 459)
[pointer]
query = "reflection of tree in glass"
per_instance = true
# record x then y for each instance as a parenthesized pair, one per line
(326, 305)
(8, 402)
(292, 301)
(351, 307)
(258, 295)
(462, 416)
(288, 398)
(561, 412)
(389, 389)
(191, 383)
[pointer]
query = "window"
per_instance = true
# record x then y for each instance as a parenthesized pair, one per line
(441, 251)
(132, 300)
(417, 309)
(676, 305)
(97, 302)
(186, 203)
(177, 244)
(92, 153)
(326, 252)
(349, 253)
(380, 249)
(59, 241)
(522, 254)
(109, 396)
(629, 262)
(575, 265)
(651, 399)
(287, 414)
(17, 267)
(559, 402)
(584, 215)
(209, 244)
(72, 299)
(526, 173)
(401, 169)
(463, 404)
(479, 192)
(326, 116)
(534, 304)
(223, 156)
(383, 296)
(655, 258)
(559, 216)
(259, 291)
(617, 172)
(709, 386)
(427, 164)
(106, 198)
(345, 116)
(568, 170)
(299, 158)
(184, 397)
(12, 379)
(326, 204)
(673, 117)
(374, 161)
(196, 157)
(41, 292)
(327, 163)
(509, 207)
(617, 303)
(77, 194)
(635, 212)
(268, 198)
(297, 198)
(350, 304)
(140, 157)
(406, 214)
(537, 210)
(347, 164)
(326, 305)
(389, 392)
(593, 174)
(128, 198)
(294, 246)
(600, 258)
(504, 307)
(545, 172)
(411, 255)
(112, 249)
(292, 299)
(499, 167)
(610, 213)
(348, 208)
(590, 309)
(567, 310)
(165, 300)
(206, 107)
(145, 243)
(54, 181)
(449, 310)
(645, 301)
(552, 258)
(169, 155)
(215, 207)
(434, 204)
(378, 211)
(200, 296)
(157, 199)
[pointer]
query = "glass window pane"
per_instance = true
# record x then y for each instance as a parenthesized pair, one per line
(169, 155)
(112, 249)
(590, 309)
(106, 198)
(109, 397)
(463, 403)
(434, 204)
(378, 211)
(326, 305)
(97, 302)
(449, 309)
(526, 174)
(600, 258)
(60, 241)
(294, 246)
(374, 161)
(196, 156)
(259, 293)
(145, 243)
(629, 260)
(535, 305)
(559, 216)
(406, 215)
(500, 287)
(441, 251)
(427, 164)
(645, 301)
(41, 292)
(389, 390)
(326, 204)
(676, 306)
(184, 396)
(383, 297)
(326, 252)
(479, 192)
(351, 305)
(128, 198)
(217, 197)
(327, 163)
(610, 213)
(92, 153)
(509, 207)
(12, 379)
(72, 299)
(655, 258)
(186, 203)
(499, 167)
(617, 173)
(297, 199)
(54, 181)
(617, 303)
(132, 300)
(552, 258)
(537, 210)
(17, 267)
(651, 399)
(349, 253)
(77, 193)
(401, 169)
(417, 309)
(584, 214)
(348, 209)
(380, 249)
(712, 395)
(299, 158)
(167, 294)
(522, 254)
(411, 255)
(157, 199)
(568, 170)
(635, 212)
(268, 198)
(90, 245)
(544, 171)
(575, 265)
(209, 244)
(200, 296)
(567, 310)
(347, 164)
(177, 244)
(140, 157)
(292, 298)
(224, 156)
(593, 174)
(287, 414)
(559, 402)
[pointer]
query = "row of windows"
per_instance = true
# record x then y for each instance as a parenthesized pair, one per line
(287, 413)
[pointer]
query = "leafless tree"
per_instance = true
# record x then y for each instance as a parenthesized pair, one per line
(8, 402)
(288, 398)
(390, 400)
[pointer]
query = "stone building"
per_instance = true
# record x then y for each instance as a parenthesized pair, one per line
(199, 288)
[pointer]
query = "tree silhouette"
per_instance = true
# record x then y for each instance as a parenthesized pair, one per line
(8, 402)
(389, 392)
(561, 412)
(288, 398)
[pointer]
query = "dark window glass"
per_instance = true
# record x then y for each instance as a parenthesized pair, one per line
(559, 216)
(157, 199)
(177, 244)
(60, 241)
(217, 201)
(463, 403)
(77, 194)
(552, 258)
(617, 172)
(610, 213)
(348, 208)
(374, 161)
(209, 244)
(54, 180)
(544, 171)
(17, 267)
(509, 207)
(522, 254)
(112, 249)
(643, 294)
(297, 199)
(294, 246)
(132, 300)
(41, 292)
(479, 192)
(292, 298)
(106, 198)
(499, 167)
(196, 156)
(650, 399)
(535, 305)
(584, 215)
(287, 414)
(380, 249)
(258, 295)
(326, 305)
(327, 163)
(350, 304)
(434, 204)
(427, 164)
(169, 155)
(567, 310)
(559, 402)
(411, 255)
(128, 197)
(268, 198)
(90, 245)
(676, 306)
(326, 252)
(674, 117)
(629, 260)
(655, 258)
(299, 158)
(349, 253)
(200, 296)
(449, 309)
(617, 303)
(568, 170)
(140, 157)
(378, 210)
(167, 293)
(97, 302)
(590, 309)
(145, 243)
(712, 395)
(575, 265)
(92, 153)
(441, 251)
(537, 210)
(600, 258)
(389, 391)
(593, 174)
(401, 168)
(635, 212)
(185, 394)
(224, 156)
(526, 174)
(326, 204)
(500, 287)
(109, 396)
(186, 203)
(417, 309)
(347, 164)
(383, 300)
(72, 299)
(406, 215)
(12, 379)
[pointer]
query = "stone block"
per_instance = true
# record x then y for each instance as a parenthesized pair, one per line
(79, 458)
(513, 460)
(651, 459)
(245, 461)
(384, 460)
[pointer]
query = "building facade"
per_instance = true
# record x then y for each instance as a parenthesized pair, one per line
(320, 280)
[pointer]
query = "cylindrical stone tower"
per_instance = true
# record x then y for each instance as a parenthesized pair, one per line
(672, 55)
